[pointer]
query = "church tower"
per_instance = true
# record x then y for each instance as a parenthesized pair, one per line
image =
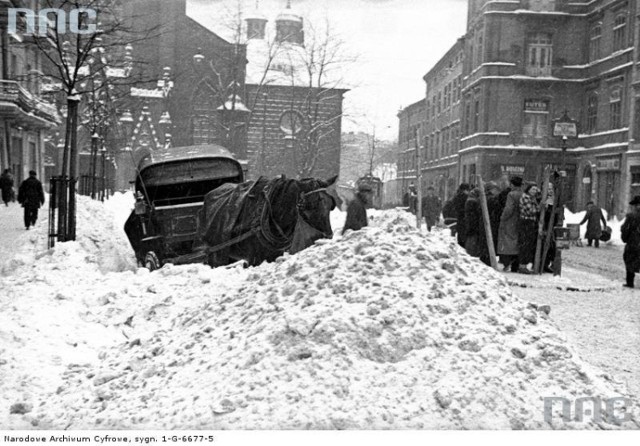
(256, 24)
(289, 27)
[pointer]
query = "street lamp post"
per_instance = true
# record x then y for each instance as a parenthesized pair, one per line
(94, 155)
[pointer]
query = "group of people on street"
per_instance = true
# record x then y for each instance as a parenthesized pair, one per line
(514, 219)
(30, 195)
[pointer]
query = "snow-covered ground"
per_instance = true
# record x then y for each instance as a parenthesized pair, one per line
(384, 328)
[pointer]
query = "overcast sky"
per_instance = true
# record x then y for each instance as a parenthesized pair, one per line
(396, 42)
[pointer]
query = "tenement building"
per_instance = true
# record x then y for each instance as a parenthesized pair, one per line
(441, 139)
(527, 64)
(412, 122)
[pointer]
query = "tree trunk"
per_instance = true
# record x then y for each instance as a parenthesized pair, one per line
(73, 167)
(63, 190)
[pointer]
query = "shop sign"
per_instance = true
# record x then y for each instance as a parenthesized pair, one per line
(512, 169)
(608, 164)
(536, 105)
(586, 180)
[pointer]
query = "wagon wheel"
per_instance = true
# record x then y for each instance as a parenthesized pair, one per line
(151, 261)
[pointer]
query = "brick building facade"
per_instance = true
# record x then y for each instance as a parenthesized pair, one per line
(412, 121)
(199, 91)
(528, 62)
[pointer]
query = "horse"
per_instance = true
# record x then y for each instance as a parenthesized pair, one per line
(261, 220)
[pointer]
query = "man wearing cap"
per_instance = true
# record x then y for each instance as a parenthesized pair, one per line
(357, 209)
(31, 197)
(630, 232)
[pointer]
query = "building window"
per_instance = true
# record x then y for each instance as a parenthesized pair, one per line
(542, 5)
(439, 102)
(536, 119)
(467, 117)
(476, 116)
(637, 123)
(615, 109)
(620, 32)
(592, 113)
(291, 122)
(478, 52)
(595, 36)
(539, 54)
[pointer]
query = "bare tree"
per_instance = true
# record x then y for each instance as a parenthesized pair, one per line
(318, 68)
(77, 62)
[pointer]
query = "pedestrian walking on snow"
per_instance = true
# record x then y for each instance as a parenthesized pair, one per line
(431, 208)
(6, 186)
(31, 197)
(630, 232)
(593, 217)
(357, 209)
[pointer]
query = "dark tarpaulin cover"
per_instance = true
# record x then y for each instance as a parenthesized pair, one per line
(223, 206)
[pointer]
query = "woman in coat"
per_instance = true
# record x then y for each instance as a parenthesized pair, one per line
(593, 217)
(508, 232)
(528, 227)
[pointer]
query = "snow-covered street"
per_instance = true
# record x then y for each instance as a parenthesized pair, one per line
(384, 328)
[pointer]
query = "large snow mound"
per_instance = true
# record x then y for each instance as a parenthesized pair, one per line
(384, 328)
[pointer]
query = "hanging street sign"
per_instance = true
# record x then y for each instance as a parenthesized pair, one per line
(565, 127)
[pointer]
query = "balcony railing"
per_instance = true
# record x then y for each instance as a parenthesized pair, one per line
(11, 91)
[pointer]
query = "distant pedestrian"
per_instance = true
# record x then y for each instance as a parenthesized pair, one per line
(459, 201)
(431, 208)
(528, 228)
(630, 232)
(31, 197)
(473, 223)
(508, 232)
(357, 209)
(410, 199)
(593, 217)
(6, 186)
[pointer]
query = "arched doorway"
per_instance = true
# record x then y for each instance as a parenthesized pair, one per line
(587, 185)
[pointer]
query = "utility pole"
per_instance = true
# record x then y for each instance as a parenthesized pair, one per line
(419, 179)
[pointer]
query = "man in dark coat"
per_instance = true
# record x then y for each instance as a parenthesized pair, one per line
(474, 224)
(459, 202)
(593, 217)
(6, 186)
(357, 209)
(630, 232)
(431, 208)
(31, 196)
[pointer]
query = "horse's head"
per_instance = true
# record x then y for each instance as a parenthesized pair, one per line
(315, 204)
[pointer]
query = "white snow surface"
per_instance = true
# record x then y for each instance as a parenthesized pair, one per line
(383, 328)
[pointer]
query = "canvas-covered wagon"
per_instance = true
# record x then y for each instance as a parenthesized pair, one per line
(170, 189)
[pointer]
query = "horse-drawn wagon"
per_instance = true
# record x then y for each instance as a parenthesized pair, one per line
(170, 189)
(192, 206)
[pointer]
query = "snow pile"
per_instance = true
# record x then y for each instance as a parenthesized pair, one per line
(100, 242)
(384, 328)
